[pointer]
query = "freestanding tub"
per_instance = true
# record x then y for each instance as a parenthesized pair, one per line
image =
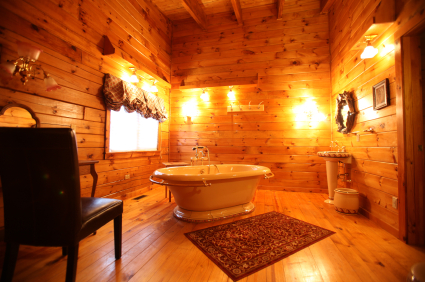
(207, 193)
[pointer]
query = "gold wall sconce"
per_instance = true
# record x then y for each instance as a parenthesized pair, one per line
(231, 94)
(204, 96)
(153, 87)
(26, 66)
(133, 77)
(370, 51)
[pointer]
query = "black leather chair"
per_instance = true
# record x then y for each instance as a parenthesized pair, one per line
(41, 191)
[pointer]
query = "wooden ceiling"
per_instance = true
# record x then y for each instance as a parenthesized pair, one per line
(199, 9)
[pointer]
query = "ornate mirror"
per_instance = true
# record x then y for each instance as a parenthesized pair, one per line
(345, 112)
(18, 115)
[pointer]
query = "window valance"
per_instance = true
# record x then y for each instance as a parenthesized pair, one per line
(121, 93)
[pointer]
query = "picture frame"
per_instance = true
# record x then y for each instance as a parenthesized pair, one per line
(381, 95)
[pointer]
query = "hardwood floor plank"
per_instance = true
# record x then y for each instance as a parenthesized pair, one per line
(155, 248)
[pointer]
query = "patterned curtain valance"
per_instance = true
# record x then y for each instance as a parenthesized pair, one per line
(121, 93)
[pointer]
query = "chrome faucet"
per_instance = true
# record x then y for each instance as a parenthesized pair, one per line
(203, 158)
(216, 168)
(335, 147)
(196, 158)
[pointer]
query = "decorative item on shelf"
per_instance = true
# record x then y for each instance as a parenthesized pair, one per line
(133, 77)
(345, 102)
(369, 52)
(231, 94)
(381, 95)
(245, 108)
(204, 96)
(26, 67)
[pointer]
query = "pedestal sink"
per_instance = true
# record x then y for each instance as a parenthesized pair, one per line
(332, 158)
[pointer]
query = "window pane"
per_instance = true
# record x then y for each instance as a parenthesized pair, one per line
(132, 132)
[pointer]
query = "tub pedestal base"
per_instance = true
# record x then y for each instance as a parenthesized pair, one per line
(213, 215)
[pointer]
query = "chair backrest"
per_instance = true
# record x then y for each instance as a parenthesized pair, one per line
(41, 185)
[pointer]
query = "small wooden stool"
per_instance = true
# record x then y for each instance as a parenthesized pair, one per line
(172, 164)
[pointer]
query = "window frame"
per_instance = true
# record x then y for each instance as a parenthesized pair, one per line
(128, 154)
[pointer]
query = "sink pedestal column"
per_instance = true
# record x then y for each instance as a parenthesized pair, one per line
(331, 174)
(332, 159)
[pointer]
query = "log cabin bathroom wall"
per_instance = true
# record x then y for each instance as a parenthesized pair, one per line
(283, 64)
(374, 167)
(294, 61)
(71, 35)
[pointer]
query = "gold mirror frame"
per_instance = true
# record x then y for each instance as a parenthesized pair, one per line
(343, 100)
(28, 109)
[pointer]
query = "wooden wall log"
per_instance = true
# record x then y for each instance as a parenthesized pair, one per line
(71, 35)
(375, 154)
(290, 61)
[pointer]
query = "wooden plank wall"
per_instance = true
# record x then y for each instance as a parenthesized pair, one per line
(71, 35)
(290, 60)
(374, 168)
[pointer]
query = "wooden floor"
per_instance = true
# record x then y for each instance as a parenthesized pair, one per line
(155, 249)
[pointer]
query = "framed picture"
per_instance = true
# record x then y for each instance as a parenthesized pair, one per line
(381, 95)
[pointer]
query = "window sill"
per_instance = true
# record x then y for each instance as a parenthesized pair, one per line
(128, 155)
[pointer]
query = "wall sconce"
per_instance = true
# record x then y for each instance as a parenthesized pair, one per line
(153, 87)
(309, 111)
(231, 94)
(25, 65)
(204, 96)
(133, 77)
(369, 52)
(189, 110)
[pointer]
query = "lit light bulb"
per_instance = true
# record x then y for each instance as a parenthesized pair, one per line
(153, 87)
(231, 94)
(190, 109)
(369, 52)
(50, 83)
(133, 77)
(204, 96)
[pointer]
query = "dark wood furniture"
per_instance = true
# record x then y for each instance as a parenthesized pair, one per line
(92, 171)
(39, 170)
(172, 164)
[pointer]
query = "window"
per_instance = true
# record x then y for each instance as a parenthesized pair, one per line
(129, 132)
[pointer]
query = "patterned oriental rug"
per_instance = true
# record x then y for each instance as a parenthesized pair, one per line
(248, 245)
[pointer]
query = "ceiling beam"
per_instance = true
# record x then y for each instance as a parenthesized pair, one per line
(238, 11)
(325, 5)
(196, 11)
(280, 4)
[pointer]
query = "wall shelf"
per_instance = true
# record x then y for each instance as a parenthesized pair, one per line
(245, 108)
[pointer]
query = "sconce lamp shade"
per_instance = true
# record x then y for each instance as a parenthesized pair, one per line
(51, 84)
(7, 69)
(369, 52)
(27, 51)
(231, 94)
(134, 79)
(153, 87)
(205, 97)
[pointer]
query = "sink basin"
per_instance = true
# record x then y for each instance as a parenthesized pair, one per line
(332, 158)
(333, 154)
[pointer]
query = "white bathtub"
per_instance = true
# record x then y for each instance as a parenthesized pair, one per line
(203, 195)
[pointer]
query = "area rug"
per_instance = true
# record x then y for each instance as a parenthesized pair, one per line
(248, 245)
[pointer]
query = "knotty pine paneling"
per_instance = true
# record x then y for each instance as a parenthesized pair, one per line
(283, 64)
(374, 168)
(71, 35)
